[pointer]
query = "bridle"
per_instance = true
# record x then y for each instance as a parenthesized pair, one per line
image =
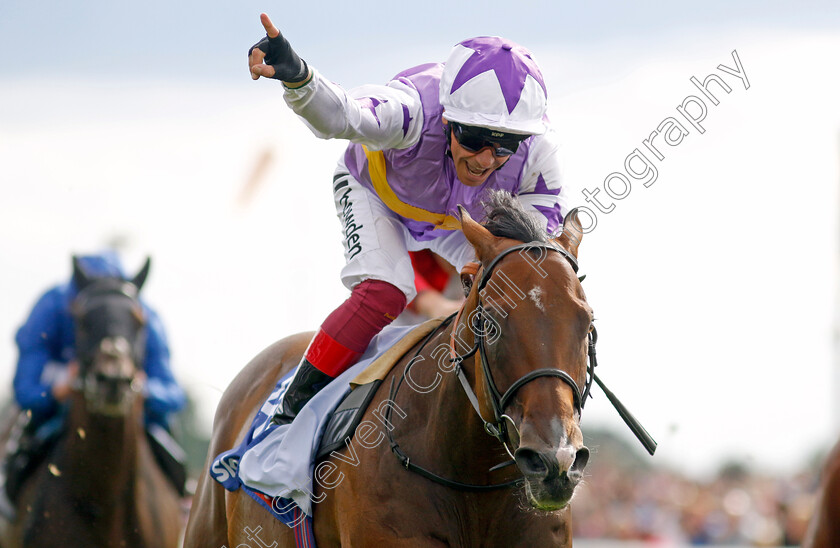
(499, 401)
(113, 346)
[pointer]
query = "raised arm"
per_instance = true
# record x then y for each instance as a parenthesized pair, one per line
(273, 57)
(376, 116)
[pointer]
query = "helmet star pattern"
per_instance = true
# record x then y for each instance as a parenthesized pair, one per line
(511, 62)
(494, 83)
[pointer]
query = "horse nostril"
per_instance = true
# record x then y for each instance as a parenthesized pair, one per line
(530, 462)
(543, 465)
(581, 459)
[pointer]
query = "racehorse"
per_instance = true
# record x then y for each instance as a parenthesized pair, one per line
(512, 364)
(99, 485)
(824, 527)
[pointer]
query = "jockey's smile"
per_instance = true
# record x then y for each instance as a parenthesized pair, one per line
(473, 168)
(476, 157)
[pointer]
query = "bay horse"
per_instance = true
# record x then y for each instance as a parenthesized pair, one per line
(824, 527)
(99, 485)
(519, 373)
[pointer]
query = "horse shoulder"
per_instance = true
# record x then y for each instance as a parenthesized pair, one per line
(208, 524)
(252, 386)
(359, 487)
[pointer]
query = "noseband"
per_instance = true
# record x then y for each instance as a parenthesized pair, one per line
(89, 344)
(499, 401)
(498, 429)
(93, 295)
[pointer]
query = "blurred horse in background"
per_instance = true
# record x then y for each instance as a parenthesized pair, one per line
(824, 528)
(100, 485)
(518, 372)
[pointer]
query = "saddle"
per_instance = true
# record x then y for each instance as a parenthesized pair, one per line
(31, 444)
(348, 415)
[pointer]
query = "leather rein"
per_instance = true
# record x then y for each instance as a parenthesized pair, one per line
(499, 401)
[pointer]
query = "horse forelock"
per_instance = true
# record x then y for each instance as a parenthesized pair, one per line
(506, 217)
(108, 309)
(534, 327)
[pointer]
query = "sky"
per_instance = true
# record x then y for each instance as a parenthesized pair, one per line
(714, 287)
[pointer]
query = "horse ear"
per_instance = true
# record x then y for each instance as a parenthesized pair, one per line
(480, 238)
(572, 233)
(140, 278)
(80, 278)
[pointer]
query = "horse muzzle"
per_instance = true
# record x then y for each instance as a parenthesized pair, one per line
(551, 477)
(111, 396)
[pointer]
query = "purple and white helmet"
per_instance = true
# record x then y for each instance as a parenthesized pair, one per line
(495, 83)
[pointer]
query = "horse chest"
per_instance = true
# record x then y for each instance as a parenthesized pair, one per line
(503, 523)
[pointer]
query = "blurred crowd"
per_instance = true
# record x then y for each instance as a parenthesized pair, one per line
(665, 508)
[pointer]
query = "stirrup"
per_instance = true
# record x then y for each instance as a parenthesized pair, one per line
(308, 381)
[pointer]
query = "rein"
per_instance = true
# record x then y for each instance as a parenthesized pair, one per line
(499, 401)
(405, 460)
(98, 291)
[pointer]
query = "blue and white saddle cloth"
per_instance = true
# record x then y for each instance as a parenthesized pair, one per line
(274, 464)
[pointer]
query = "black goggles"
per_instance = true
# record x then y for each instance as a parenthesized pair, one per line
(475, 139)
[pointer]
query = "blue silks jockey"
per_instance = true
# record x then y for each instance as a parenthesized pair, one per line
(47, 367)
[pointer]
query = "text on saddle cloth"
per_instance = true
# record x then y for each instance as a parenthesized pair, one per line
(269, 463)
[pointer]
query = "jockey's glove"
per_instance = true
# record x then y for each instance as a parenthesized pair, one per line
(279, 54)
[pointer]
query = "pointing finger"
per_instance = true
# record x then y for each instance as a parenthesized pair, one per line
(270, 29)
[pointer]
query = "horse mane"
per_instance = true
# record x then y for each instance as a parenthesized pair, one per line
(506, 217)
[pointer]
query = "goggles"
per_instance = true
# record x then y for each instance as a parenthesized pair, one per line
(475, 139)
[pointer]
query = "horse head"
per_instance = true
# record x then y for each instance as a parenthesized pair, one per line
(532, 335)
(110, 340)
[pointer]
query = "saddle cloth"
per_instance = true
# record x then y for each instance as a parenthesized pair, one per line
(274, 464)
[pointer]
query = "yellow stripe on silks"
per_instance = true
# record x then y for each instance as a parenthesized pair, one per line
(376, 168)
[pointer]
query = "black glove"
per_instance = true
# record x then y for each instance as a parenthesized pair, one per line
(287, 66)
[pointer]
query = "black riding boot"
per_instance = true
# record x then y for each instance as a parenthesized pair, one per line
(25, 452)
(308, 380)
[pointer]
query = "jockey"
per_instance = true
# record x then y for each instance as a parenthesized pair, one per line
(436, 136)
(438, 287)
(47, 369)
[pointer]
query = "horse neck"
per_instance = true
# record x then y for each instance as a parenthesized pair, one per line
(454, 428)
(102, 452)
